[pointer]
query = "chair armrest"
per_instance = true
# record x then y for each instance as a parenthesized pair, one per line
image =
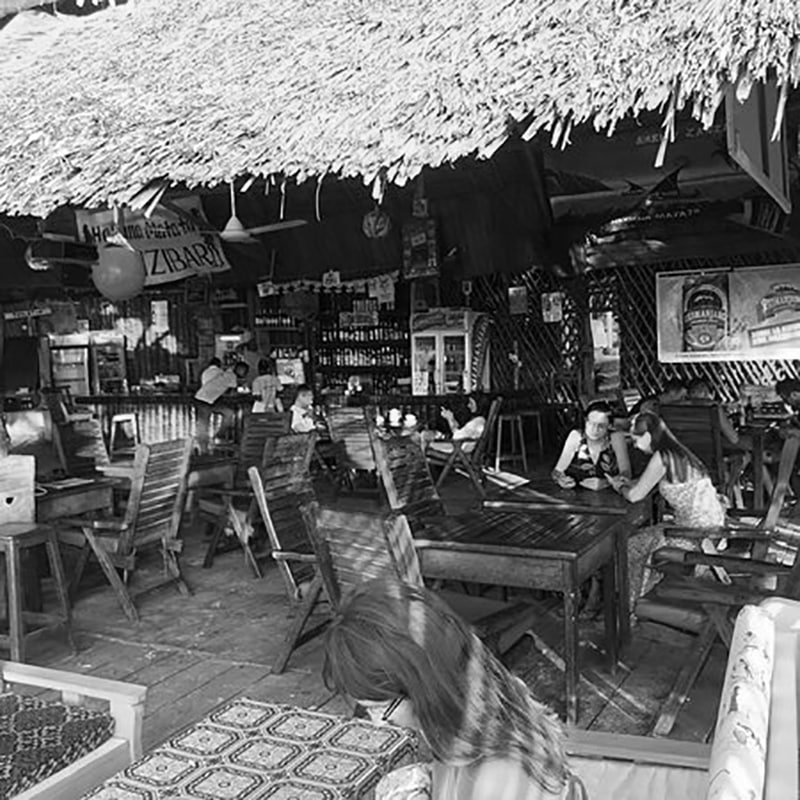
(100, 525)
(727, 532)
(222, 493)
(733, 564)
(289, 555)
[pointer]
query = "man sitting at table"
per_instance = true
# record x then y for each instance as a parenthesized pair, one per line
(302, 410)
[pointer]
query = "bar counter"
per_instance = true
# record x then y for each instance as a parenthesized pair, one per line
(160, 417)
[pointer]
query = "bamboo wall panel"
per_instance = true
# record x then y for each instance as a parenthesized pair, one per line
(552, 353)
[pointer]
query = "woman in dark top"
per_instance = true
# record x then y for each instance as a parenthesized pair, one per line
(591, 454)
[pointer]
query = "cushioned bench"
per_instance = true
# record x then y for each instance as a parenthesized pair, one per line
(754, 755)
(64, 746)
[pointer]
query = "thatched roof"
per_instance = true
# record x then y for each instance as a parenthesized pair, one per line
(201, 91)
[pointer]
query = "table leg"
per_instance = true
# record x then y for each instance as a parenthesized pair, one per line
(623, 583)
(571, 641)
(610, 614)
(758, 470)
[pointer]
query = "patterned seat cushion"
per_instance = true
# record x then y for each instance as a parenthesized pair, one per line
(39, 738)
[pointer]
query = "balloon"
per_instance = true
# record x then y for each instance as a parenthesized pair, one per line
(119, 274)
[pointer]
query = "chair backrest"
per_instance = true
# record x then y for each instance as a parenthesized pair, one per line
(81, 447)
(354, 547)
(785, 469)
(348, 429)
(281, 485)
(406, 476)
(478, 454)
(696, 426)
(158, 493)
(17, 484)
(258, 428)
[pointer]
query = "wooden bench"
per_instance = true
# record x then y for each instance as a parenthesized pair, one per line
(755, 749)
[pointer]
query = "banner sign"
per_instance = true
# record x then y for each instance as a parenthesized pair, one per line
(747, 314)
(172, 247)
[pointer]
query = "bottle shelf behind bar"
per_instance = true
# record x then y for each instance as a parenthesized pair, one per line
(357, 338)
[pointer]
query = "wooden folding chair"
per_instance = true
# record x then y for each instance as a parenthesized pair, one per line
(465, 455)
(349, 431)
(280, 487)
(697, 426)
(706, 606)
(355, 547)
(151, 522)
(222, 488)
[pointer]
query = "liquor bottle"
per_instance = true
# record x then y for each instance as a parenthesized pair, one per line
(705, 313)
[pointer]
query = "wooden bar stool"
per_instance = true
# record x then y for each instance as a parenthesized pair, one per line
(516, 452)
(18, 534)
(15, 538)
(116, 421)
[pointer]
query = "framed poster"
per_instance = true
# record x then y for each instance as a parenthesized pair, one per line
(420, 257)
(746, 314)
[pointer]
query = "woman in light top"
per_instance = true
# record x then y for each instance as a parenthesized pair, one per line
(685, 484)
(591, 455)
(402, 654)
(468, 426)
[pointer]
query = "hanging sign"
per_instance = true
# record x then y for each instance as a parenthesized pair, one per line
(553, 306)
(420, 256)
(172, 246)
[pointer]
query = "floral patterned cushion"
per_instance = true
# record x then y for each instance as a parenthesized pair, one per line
(39, 738)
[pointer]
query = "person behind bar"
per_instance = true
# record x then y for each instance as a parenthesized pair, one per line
(684, 483)
(593, 453)
(214, 382)
(404, 656)
(266, 387)
(302, 410)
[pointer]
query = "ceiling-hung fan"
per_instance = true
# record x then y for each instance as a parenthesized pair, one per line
(235, 231)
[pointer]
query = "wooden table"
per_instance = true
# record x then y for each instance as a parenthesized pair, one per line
(71, 499)
(67, 501)
(551, 550)
(543, 493)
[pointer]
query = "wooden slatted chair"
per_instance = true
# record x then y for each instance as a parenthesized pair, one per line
(697, 426)
(349, 432)
(281, 486)
(151, 522)
(356, 547)
(467, 455)
(706, 606)
(222, 488)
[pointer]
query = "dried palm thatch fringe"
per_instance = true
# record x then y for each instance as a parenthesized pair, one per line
(201, 91)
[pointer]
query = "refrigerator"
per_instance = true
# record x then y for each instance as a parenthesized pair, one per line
(450, 351)
(69, 362)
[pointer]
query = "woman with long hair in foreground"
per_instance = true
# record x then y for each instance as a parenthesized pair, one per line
(402, 654)
(686, 486)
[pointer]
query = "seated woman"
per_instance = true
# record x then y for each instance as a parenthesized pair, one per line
(684, 483)
(402, 654)
(590, 455)
(469, 425)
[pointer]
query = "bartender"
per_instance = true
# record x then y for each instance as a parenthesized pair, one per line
(215, 384)
(248, 353)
